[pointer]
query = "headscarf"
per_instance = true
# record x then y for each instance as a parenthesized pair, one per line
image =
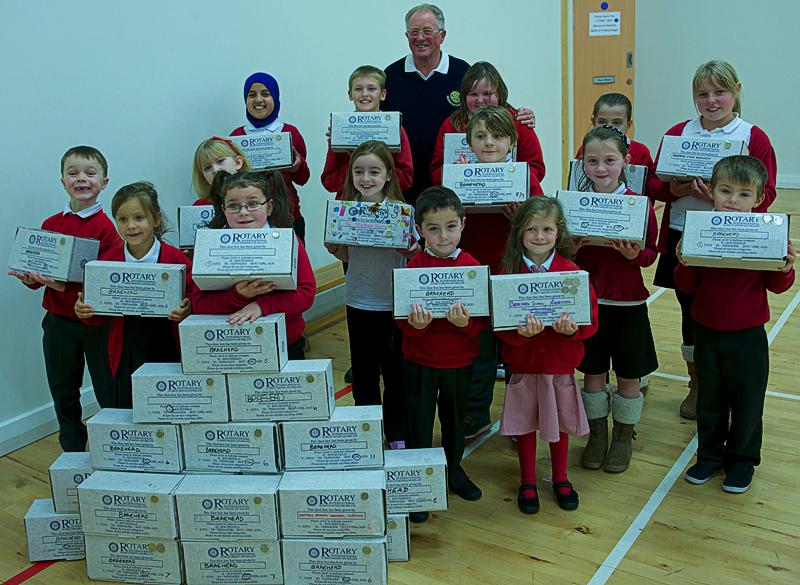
(272, 86)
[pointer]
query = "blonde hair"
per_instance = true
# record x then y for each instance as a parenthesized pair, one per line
(392, 187)
(720, 73)
(544, 207)
(497, 119)
(741, 169)
(367, 71)
(207, 150)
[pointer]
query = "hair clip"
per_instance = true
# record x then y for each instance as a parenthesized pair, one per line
(225, 140)
(616, 130)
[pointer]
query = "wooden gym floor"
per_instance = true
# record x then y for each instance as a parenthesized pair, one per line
(644, 526)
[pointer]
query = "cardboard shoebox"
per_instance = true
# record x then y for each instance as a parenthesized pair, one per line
(134, 288)
(266, 151)
(232, 562)
(398, 537)
(67, 472)
(228, 507)
(232, 447)
(635, 175)
(545, 295)
(752, 241)
(351, 439)
(333, 504)
(488, 185)
(317, 561)
(436, 289)
(133, 560)
(163, 393)
(58, 256)
(416, 480)
(374, 225)
(190, 219)
(118, 444)
(600, 217)
(52, 536)
(684, 157)
(302, 390)
(224, 257)
(349, 129)
(129, 504)
(210, 344)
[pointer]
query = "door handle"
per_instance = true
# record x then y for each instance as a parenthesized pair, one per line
(629, 60)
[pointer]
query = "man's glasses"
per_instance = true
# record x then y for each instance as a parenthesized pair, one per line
(424, 32)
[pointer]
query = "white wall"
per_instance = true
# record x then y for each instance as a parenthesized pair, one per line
(758, 39)
(146, 81)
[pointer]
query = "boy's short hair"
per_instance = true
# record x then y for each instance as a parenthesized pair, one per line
(367, 71)
(497, 119)
(435, 198)
(89, 152)
(745, 170)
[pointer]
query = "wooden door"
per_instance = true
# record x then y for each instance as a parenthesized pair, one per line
(603, 39)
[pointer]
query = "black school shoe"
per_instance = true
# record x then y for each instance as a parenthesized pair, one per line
(528, 504)
(466, 489)
(418, 517)
(738, 479)
(702, 471)
(566, 496)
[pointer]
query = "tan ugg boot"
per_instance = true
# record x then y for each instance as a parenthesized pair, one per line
(626, 412)
(688, 408)
(597, 406)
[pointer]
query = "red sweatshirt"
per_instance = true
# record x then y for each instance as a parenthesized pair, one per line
(614, 277)
(97, 227)
(301, 175)
(730, 299)
(202, 201)
(168, 255)
(293, 303)
(441, 344)
(548, 352)
(759, 146)
(337, 163)
(640, 155)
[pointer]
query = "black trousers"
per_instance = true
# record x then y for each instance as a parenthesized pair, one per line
(68, 345)
(732, 371)
(664, 277)
(299, 227)
(296, 350)
(424, 388)
(375, 348)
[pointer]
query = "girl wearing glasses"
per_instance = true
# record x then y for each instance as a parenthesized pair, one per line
(258, 201)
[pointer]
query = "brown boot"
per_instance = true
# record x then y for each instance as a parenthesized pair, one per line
(688, 407)
(597, 408)
(626, 413)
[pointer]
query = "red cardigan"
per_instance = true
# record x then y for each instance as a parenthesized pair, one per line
(441, 344)
(337, 163)
(548, 352)
(614, 277)
(759, 146)
(730, 299)
(97, 227)
(293, 303)
(301, 175)
(640, 155)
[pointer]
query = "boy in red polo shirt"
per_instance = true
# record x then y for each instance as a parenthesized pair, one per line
(731, 349)
(439, 352)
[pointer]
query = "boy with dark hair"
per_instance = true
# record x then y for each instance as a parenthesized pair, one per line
(439, 352)
(68, 341)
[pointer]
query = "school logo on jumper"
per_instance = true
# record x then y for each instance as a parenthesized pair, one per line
(454, 98)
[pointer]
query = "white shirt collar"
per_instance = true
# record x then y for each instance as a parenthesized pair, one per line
(272, 128)
(83, 213)
(150, 258)
(443, 67)
(695, 128)
(452, 256)
(618, 191)
(546, 264)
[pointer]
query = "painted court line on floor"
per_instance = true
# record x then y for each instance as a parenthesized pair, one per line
(26, 574)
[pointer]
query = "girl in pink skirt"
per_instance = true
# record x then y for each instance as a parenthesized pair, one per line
(542, 393)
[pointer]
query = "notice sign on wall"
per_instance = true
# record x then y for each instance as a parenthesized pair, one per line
(604, 24)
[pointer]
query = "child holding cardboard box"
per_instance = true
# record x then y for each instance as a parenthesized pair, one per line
(729, 310)
(135, 340)
(84, 174)
(623, 338)
(716, 89)
(439, 352)
(211, 156)
(254, 201)
(542, 394)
